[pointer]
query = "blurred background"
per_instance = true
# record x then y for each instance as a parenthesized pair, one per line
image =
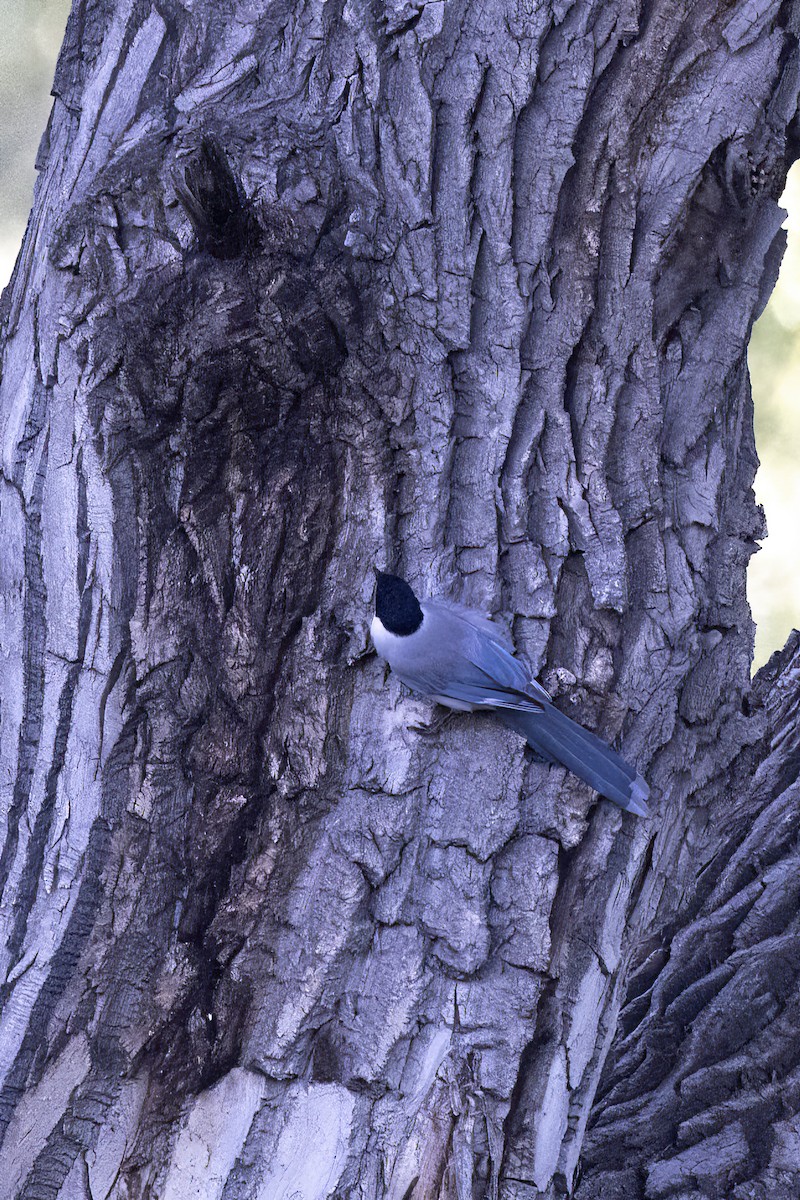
(773, 581)
(29, 45)
(32, 33)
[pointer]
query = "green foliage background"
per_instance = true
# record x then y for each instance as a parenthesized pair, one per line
(774, 578)
(31, 35)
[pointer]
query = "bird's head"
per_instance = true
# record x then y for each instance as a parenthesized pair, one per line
(396, 606)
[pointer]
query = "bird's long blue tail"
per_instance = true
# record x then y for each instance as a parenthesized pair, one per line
(561, 740)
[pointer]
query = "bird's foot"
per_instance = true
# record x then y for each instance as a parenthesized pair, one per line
(434, 726)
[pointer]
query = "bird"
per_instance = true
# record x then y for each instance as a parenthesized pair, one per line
(461, 659)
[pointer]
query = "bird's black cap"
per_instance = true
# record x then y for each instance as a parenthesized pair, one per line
(396, 605)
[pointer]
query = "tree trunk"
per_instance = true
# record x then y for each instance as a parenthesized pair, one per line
(701, 1089)
(464, 290)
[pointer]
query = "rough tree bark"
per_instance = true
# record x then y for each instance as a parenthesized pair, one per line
(465, 289)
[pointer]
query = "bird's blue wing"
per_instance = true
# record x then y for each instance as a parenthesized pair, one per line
(493, 654)
(484, 673)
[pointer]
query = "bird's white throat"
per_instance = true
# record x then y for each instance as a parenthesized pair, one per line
(385, 642)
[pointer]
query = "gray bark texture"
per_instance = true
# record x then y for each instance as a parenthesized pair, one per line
(463, 289)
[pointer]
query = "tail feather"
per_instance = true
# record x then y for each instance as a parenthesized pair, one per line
(561, 740)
